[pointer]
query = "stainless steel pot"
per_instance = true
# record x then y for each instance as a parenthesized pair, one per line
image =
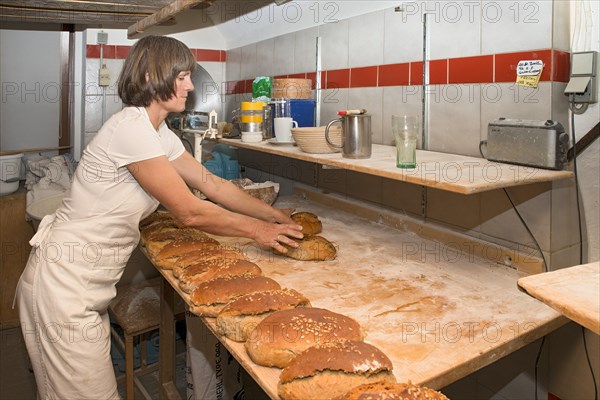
(356, 135)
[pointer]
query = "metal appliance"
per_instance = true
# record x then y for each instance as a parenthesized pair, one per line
(541, 144)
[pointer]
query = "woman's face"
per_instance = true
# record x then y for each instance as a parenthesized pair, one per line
(183, 85)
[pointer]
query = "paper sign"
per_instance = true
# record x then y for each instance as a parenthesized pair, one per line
(529, 72)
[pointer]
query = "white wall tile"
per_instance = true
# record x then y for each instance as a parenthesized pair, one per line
(399, 100)
(283, 54)
(92, 67)
(93, 113)
(402, 41)
(305, 50)
(332, 100)
(499, 220)
(264, 57)
(113, 105)
(561, 35)
(453, 209)
(560, 105)
(372, 100)
(334, 50)
(465, 388)
(216, 70)
(234, 67)
(570, 377)
(565, 227)
(512, 377)
(454, 28)
(511, 101)
(365, 43)
(454, 119)
(248, 68)
(588, 165)
(528, 22)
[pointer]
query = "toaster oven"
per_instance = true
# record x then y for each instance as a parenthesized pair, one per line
(541, 144)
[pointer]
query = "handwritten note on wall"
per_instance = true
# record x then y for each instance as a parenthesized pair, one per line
(529, 72)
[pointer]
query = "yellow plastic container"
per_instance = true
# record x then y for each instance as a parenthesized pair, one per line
(252, 105)
(251, 111)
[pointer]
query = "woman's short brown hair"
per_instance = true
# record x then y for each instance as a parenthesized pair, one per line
(151, 68)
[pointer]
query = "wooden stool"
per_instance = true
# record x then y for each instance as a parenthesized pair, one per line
(136, 309)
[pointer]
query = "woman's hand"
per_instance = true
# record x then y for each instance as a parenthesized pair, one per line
(282, 216)
(276, 235)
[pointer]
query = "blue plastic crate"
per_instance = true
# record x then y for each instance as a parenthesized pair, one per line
(302, 110)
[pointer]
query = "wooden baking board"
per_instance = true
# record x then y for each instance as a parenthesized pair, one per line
(439, 315)
(450, 172)
(573, 291)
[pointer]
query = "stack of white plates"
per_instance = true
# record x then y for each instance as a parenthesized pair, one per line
(312, 139)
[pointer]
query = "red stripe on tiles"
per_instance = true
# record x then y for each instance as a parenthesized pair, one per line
(208, 55)
(363, 77)
(122, 52)
(297, 76)
(313, 77)
(338, 79)
(223, 54)
(230, 87)
(438, 72)
(477, 69)
(109, 51)
(416, 73)
(506, 64)
(561, 65)
(92, 51)
(393, 74)
(248, 85)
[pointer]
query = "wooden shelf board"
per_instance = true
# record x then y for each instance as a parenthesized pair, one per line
(573, 291)
(449, 172)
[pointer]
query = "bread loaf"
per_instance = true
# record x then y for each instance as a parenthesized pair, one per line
(158, 240)
(210, 297)
(311, 248)
(241, 316)
(156, 216)
(284, 334)
(206, 254)
(171, 252)
(196, 274)
(310, 222)
(392, 391)
(160, 226)
(326, 371)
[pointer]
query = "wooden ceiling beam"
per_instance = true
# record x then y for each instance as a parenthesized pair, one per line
(70, 17)
(161, 15)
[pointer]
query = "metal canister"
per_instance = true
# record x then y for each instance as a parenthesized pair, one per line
(356, 135)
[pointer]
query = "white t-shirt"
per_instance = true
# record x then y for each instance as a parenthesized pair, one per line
(103, 190)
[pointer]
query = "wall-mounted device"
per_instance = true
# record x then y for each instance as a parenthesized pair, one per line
(541, 144)
(582, 83)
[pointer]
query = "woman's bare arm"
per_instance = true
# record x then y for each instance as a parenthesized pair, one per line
(161, 180)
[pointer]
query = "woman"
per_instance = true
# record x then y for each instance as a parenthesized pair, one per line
(134, 163)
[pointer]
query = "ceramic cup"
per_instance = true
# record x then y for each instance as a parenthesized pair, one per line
(283, 129)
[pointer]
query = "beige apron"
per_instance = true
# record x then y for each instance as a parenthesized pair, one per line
(63, 297)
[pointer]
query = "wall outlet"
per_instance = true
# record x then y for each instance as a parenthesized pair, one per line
(104, 76)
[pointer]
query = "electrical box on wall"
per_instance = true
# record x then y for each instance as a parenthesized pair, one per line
(104, 76)
(582, 83)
